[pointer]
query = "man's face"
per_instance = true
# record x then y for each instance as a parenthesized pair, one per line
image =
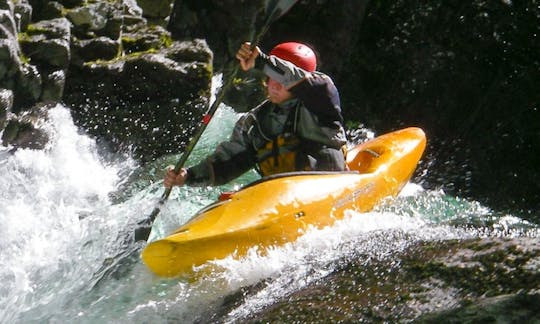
(277, 93)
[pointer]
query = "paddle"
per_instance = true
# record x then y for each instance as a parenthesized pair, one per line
(274, 9)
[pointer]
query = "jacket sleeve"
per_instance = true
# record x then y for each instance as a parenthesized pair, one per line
(230, 159)
(321, 97)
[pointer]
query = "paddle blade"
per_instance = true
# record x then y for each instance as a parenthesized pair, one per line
(144, 227)
(143, 232)
(276, 8)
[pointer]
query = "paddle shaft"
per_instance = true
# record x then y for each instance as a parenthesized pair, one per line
(275, 8)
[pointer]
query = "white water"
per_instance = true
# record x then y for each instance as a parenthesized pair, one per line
(44, 195)
(60, 224)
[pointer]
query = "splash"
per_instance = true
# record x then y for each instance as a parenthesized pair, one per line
(45, 196)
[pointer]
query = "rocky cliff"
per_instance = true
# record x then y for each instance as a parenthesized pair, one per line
(127, 81)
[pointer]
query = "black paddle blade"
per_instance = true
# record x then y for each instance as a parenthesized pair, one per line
(144, 227)
(276, 8)
(142, 232)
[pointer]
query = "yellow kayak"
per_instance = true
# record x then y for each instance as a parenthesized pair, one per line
(278, 209)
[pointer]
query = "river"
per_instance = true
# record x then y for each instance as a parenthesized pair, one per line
(66, 211)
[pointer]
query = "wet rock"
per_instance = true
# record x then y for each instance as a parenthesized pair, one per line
(131, 8)
(27, 88)
(13, 73)
(516, 308)
(24, 130)
(143, 102)
(53, 86)
(156, 8)
(99, 48)
(72, 3)
(145, 86)
(10, 63)
(47, 43)
(91, 17)
(22, 14)
(59, 28)
(51, 10)
(472, 280)
(7, 5)
(97, 19)
(146, 38)
(8, 28)
(6, 102)
(218, 22)
(132, 17)
(246, 91)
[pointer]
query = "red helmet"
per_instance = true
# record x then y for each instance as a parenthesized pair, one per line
(298, 54)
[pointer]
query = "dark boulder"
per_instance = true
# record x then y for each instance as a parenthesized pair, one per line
(25, 129)
(143, 102)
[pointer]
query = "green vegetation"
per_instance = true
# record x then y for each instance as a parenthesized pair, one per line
(121, 57)
(33, 29)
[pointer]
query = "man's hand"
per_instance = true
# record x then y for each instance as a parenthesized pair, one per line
(246, 55)
(174, 179)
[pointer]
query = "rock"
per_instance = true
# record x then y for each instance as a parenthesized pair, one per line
(10, 63)
(477, 280)
(22, 14)
(6, 102)
(144, 101)
(59, 28)
(51, 10)
(8, 28)
(219, 23)
(131, 8)
(48, 43)
(97, 19)
(53, 86)
(13, 73)
(146, 38)
(98, 48)
(48, 52)
(24, 130)
(90, 17)
(247, 91)
(27, 88)
(72, 3)
(7, 5)
(133, 23)
(515, 308)
(113, 28)
(155, 8)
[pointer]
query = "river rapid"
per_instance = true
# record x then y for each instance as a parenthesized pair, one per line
(66, 212)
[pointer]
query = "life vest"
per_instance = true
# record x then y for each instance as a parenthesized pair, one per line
(278, 155)
(287, 145)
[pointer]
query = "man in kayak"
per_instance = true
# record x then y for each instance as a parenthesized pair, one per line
(298, 128)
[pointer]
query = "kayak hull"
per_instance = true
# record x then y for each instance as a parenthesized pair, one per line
(278, 209)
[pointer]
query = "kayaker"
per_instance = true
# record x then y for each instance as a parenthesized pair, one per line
(298, 128)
